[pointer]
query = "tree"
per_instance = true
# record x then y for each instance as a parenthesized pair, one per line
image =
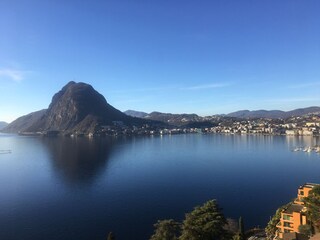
(205, 222)
(166, 230)
(312, 203)
(240, 234)
(272, 224)
(241, 226)
(111, 236)
(305, 229)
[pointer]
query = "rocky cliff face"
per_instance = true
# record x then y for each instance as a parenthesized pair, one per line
(76, 107)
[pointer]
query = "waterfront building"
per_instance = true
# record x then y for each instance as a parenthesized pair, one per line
(295, 214)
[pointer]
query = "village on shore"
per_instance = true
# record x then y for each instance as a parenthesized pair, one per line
(296, 126)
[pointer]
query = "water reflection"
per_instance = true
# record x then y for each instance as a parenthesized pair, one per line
(302, 141)
(79, 160)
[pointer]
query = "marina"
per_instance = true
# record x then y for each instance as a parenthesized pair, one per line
(307, 149)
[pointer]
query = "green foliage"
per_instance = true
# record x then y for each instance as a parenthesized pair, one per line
(312, 203)
(316, 190)
(205, 222)
(166, 230)
(305, 229)
(236, 237)
(111, 236)
(272, 224)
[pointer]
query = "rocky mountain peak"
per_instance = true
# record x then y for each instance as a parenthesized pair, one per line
(77, 106)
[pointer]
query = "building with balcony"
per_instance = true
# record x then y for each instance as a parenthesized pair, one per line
(295, 214)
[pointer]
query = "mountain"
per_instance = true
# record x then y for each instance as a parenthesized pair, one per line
(303, 111)
(274, 113)
(167, 118)
(77, 107)
(193, 120)
(257, 114)
(3, 125)
(174, 119)
(133, 113)
(21, 124)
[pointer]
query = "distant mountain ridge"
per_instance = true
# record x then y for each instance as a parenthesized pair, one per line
(190, 119)
(133, 113)
(168, 118)
(174, 119)
(273, 114)
(3, 124)
(77, 107)
(22, 123)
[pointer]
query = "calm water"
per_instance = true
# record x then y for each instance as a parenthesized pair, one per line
(63, 188)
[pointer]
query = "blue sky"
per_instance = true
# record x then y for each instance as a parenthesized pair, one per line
(204, 57)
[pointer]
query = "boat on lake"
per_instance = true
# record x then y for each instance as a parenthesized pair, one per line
(307, 149)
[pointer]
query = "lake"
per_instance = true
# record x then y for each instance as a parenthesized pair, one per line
(80, 188)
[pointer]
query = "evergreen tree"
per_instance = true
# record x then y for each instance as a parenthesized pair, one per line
(166, 230)
(205, 222)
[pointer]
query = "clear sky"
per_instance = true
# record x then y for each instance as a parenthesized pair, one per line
(204, 57)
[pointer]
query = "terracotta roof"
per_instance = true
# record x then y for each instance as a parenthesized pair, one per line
(309, 185)
(293, 208)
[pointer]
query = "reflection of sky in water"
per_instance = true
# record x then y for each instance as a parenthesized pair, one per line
(81, 188)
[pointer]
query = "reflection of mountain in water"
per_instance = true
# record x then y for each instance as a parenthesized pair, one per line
(79, 160)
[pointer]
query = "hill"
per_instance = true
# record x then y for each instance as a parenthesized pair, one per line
(274, 113)
(174, 119)
(77, 107)
(3, 125)
(21, 124)
(167, 118)
(133, 113)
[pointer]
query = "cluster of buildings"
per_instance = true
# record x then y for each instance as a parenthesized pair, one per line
(298, 126)
(309, 129)
(261, 126)
(294, 215)
(267, 127)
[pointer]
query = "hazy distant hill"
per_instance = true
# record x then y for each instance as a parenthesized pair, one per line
(3, 125)
(174, 119)
(274, 113)
(21, 124)
(257, 114)
(168, 118)
(76, 107)
(133, 113)
(191, 120)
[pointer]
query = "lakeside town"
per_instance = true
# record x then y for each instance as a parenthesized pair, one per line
(296, 126)
(308, 125)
